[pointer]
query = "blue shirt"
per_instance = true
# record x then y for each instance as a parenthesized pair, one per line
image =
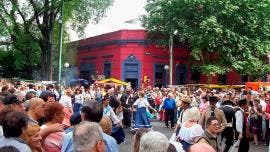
(169, 103)
(67, 146)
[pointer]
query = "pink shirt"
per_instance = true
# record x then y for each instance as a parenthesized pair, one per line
(53, 141)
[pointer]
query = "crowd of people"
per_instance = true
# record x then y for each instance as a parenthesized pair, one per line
(53, 119)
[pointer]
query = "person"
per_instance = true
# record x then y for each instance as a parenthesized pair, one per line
(9, 149)
(210, 135)
(14, 124)
(91, 111)
(88, 136)
(137, 138)
(228, 133)
(66, 101)
(154, 141)
(126, 102)
(106, 125)
(141, 119)
(201, 147)
(185, 106)
(35, 110)
(241, 126)
(54, 113)
(255, 117)
(33, 138)
(78, 100)
(108, 111)
(212, 110)
(190, 131)
(12, 102)
(47, 96)
(169, 106)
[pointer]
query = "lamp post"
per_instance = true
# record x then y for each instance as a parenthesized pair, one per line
(171, 55)
(166, 68)
(60, 41)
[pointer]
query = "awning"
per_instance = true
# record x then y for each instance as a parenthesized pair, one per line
(112, 80)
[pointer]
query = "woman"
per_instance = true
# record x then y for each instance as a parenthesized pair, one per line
(54, 113)
(78, 100)
(190, 131)
(33, 138)
(137, 138)
(108, 110)
(141, 119)
(255, 117)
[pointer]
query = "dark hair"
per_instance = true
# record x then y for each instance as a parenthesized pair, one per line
(13, 123)
(92, 111)
(29, 94)
(9, 149)
(51, 108)
(45, 94)
(242, 102)
(209, 120)
(213, 99)
(171, 148)
(106, 97)
(31, 86)
(11, 90)
(4, 88)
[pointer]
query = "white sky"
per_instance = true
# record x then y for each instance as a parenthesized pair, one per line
(116, 15)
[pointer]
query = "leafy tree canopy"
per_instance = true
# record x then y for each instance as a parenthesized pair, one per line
(222, 35)
(30, 26)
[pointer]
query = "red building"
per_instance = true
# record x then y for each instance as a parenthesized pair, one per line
(129, 56)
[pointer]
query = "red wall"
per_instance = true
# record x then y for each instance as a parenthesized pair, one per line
(147, 54)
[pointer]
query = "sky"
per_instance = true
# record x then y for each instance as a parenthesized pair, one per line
(116, 15)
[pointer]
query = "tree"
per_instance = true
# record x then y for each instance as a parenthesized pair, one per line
(222, 35)
(31, 24)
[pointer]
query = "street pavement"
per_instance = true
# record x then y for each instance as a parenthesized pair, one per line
(159, 126)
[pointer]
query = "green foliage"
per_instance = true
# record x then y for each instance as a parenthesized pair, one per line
(31, 27)
(223, 35)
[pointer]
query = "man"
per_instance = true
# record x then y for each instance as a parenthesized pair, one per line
(93, 112)
(210, 135)
(185, 105)
(241, 126)
(212, 110)
(169, 106)
(228, 110)
(35, 110)
(87, 136)
(12, 102)
(126, 102)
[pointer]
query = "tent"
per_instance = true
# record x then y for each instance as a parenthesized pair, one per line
(112, 80)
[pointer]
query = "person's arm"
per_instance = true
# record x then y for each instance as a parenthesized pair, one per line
(50, 129)
(223, 121)
(239, 123)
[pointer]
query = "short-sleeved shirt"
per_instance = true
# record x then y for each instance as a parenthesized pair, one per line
(188, 134)
(15, 142)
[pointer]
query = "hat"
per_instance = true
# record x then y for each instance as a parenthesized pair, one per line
(186, 100)
(10, 99)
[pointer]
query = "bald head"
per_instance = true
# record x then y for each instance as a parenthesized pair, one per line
(201, 147)
(34, 102)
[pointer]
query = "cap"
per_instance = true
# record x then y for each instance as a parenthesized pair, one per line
(10, 99)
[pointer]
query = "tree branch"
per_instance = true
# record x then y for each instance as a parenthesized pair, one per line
(36, 14)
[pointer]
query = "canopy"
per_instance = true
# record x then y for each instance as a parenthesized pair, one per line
(215, 86)
(112, 80)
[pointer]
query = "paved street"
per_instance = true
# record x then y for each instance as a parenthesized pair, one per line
(159, 126)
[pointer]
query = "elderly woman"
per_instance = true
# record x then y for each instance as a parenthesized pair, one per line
(190, 131)
(33, 138)
(54, 113)
(106, 125)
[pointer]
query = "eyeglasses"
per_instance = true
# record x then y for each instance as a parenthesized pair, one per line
(216, 124)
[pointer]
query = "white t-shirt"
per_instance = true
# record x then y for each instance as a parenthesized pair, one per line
(66, 101)
(141, 102)
(188, 134)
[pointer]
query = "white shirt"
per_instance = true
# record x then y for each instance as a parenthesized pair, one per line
(182, 117)
(239, 120)
(188, 134)
(79, 98)
(66, 101)
(141, 102)
(108, 111)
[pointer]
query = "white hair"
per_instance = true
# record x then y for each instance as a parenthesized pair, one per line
(193, 114)
(86, 135)
(154, 141)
